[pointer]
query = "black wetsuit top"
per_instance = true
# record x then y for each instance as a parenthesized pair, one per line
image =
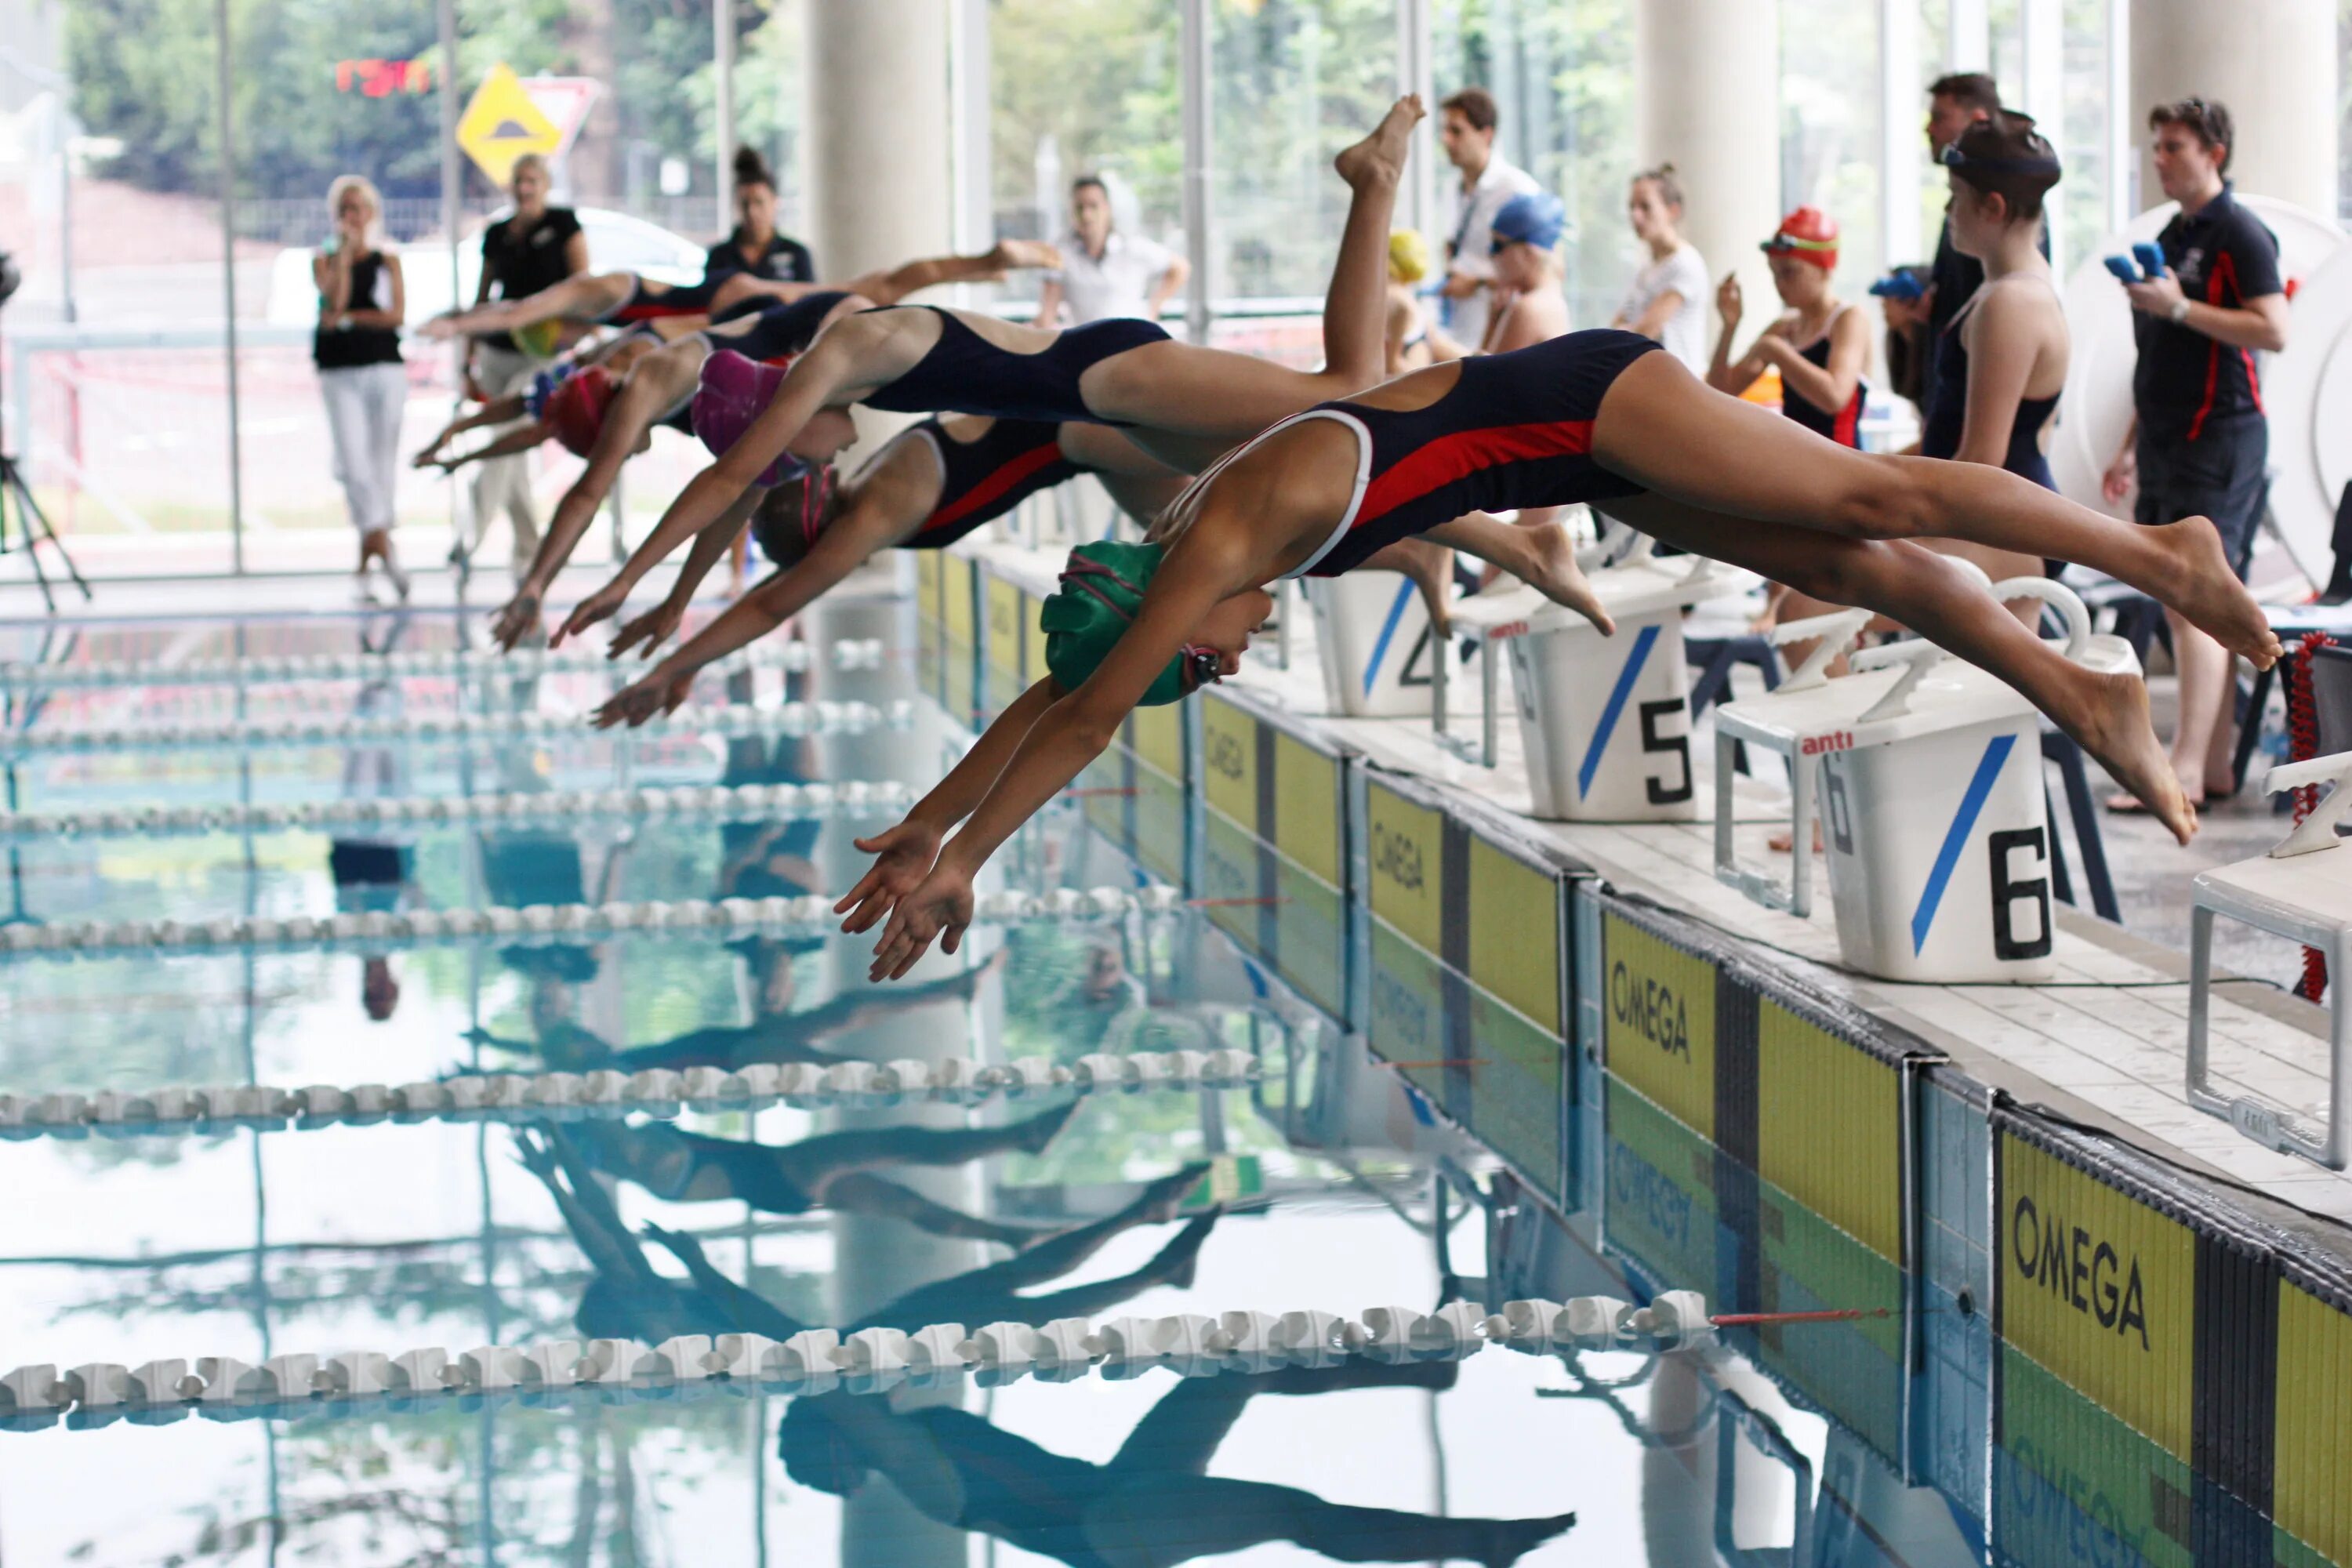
(1844, 427)
(1515, 431)
(966, 373)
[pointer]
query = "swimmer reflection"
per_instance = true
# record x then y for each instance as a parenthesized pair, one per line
(1153, 1502)
(629, 1299)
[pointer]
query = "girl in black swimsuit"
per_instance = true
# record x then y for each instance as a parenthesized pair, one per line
(1188, 403)
(931, 485)
(1591, 416)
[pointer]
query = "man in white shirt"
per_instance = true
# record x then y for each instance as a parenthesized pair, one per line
(1103, 273)
(1466, 125)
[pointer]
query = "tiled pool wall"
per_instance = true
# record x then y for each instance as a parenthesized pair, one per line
(2105, 1361)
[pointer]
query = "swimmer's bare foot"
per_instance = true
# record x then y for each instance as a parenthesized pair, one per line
(1780, 840)
(2204, 589)
(2108, 715)
(1550, 569)
(1040, 1131)
(1161, 1199)
(1379, 159)
(1010, 254)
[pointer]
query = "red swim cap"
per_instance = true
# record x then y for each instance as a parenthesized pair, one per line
(733, 392)
(1810, 234)
(576, 409)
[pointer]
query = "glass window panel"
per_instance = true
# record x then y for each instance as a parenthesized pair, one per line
(1563, 77)
(115, 379)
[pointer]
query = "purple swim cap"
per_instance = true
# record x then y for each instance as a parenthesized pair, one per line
(733, 392)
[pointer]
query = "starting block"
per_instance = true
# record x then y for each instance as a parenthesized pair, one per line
(1372, 634)
(2301, 891)
(1605, 719)
(1926, 775)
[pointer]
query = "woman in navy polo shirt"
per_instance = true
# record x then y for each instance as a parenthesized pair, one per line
(755, 246)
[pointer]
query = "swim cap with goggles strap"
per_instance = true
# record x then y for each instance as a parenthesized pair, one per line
(1810, 234)
(1102, 589)
(734, 392)
(577, 407)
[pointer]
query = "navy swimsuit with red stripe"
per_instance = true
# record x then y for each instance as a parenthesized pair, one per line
(984, 478)
(1515, 431)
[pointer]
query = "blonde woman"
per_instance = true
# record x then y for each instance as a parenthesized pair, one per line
(357, 351)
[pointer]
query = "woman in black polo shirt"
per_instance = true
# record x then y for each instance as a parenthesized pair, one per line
(755, 246)
(536, 247)
(2200, 443)
(357, 351)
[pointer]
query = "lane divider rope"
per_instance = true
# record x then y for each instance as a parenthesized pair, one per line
(607, 1093)
(822, 1361)
(731, 721)
(535, 925)
(700, 802)
(849, 653)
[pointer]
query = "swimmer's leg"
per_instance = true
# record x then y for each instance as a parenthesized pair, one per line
(1661, 427)
(2108, 713)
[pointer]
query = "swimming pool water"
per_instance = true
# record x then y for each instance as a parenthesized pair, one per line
(1329, 1182)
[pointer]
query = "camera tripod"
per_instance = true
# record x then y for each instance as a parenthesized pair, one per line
(32, 525)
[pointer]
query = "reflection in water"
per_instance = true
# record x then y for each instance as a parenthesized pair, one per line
(375, 870)
(1154, 1502)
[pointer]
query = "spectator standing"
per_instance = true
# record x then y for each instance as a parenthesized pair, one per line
(1468, 122)
(2002, 361)
(754, 247)
(1668, 298)
(1103, 273)
(2200, 443)
(534, 247)
(1955, 102)
(357, 349)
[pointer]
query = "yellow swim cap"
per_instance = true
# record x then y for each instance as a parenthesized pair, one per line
(1408, 256)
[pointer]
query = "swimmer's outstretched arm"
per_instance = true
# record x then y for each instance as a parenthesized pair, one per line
(585, 298)
(839, 549)
(522, 439)
(657, 625)
(666, 536)
(652, 385)
(1202, 568)
(496, 411)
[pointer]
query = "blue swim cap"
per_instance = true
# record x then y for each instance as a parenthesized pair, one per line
(1535, 218)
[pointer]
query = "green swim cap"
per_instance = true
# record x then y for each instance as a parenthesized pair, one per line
(1102, 589)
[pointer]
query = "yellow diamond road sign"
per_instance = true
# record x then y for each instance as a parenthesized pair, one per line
(501, 124)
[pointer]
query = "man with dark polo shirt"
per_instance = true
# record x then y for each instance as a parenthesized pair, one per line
(2200, 444)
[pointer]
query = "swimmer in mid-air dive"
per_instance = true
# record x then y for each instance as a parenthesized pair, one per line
(934, 483)
(1182, 403)
(1595, 416)
(600, 298)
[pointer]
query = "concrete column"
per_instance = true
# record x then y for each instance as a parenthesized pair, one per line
(2273, 62)
(878, 167)
(1706, 75)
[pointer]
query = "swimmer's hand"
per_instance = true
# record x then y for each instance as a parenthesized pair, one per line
(440, 328)
(903, 856)
(635, 703)
(518, 620)
(652, 630)
(432, 455)
(601, 605)
(940, 908)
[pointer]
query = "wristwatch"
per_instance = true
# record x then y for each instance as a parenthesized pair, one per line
(2180, 311)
